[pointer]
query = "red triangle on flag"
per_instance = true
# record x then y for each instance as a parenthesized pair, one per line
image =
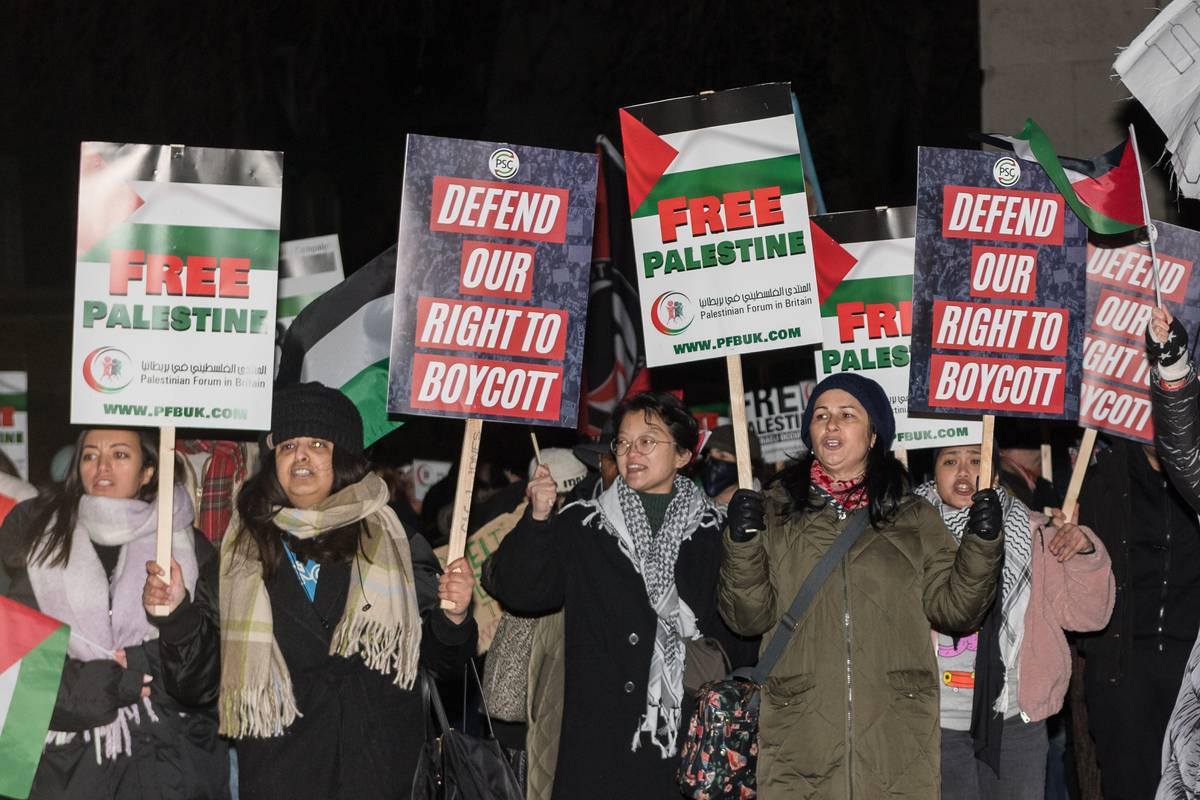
(646, 158)
(21, 630)
(105, 200)
(1115, 193)
(833, 262)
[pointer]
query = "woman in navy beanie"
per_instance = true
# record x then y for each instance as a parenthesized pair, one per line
(851, 708)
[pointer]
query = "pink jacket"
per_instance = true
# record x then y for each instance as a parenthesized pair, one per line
(1076, 595)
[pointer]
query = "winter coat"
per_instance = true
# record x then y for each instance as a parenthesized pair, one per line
(359, 734)
(851, 709)
(608, 630)
(180, 756)
(1177, 439)
(545, 706)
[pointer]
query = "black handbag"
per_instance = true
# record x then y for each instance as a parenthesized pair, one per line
(455, 765)
(720, 755)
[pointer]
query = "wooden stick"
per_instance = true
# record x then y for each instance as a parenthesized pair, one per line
(737, 414)
(463, 488)
(985, 452)
(1081, 464)
(537, 451)
(901, 455)
(166, 506)
(1047, 464)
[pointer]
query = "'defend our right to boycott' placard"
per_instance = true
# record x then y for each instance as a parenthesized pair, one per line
(999, 289)
(1120, 288)
(720, 224)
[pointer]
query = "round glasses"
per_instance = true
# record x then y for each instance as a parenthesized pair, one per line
(643, 444)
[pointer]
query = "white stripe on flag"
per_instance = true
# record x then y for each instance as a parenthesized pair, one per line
(207, 205)
(359, 341)
(8, 685)
(735, 143)
(881, 259)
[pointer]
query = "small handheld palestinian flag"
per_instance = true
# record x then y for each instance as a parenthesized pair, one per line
(33, 649)
(1104, 192)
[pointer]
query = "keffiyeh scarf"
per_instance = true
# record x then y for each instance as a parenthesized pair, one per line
(653, 555)
(381, 621)
(81, 595)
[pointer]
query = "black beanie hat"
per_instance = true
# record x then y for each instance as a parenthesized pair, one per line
(311, 409)
(865, 391)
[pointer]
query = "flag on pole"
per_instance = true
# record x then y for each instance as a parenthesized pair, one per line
(1104, 192)
(343, 338)
(33, 649)
(614, 355)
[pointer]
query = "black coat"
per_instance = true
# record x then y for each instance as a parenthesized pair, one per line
(180, 756)
(609, 630)
(360, 734)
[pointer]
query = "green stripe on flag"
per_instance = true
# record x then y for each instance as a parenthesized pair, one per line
(889, 289)
(260, 246)
(787, 172)
(1043, 151)
(18, 402)
(24, 733)
(368, 390)
(291, 306)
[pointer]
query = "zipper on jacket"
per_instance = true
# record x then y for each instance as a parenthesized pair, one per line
(846, 630)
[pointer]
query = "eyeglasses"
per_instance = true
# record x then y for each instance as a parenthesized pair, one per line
(643, 444)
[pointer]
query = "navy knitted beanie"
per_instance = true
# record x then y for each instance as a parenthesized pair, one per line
(865, 391)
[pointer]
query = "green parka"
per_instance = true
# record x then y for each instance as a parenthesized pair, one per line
(851, 710)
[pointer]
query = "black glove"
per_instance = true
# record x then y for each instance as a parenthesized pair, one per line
(746, 516)
(986, 518)
(1170, 351)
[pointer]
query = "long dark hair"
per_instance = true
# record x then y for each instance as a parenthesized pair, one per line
(886, 482)
(56, 511)
(262, 496)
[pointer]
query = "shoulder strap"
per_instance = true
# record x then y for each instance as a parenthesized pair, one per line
(808, 590)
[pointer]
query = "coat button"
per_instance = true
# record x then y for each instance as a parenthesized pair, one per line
(629, 687)
(633, 638)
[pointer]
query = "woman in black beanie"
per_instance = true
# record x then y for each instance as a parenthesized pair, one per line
(851, 707)
(327, 609)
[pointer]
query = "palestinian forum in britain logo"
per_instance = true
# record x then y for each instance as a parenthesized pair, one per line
(107, 369)
(672, 313)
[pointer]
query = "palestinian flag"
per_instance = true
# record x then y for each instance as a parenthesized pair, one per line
(33, 649)
(343, 338)
(1104, 192)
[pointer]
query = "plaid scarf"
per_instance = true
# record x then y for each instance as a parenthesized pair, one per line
(844, 496)
(256, 689)
(226, 467)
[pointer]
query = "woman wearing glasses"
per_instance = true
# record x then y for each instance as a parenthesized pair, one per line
(635, 571)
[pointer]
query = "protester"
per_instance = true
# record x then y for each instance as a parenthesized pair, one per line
(851, 708)
(126, 723)
(1000, 684)
(718, 465)
(634, 572)
(1019, 442)
(1168, 548)
(598, 457)
(327, 612)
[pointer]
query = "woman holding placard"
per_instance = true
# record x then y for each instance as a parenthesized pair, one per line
(124, 725)
(635, 572)
(327, 612)
(851, 707)
(999, 684)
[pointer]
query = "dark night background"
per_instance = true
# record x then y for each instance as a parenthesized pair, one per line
(338, 85)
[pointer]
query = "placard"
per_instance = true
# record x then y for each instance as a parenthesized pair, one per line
(14, 419)
(175, 278)
(491, 281)
(999, 289)
(720, 224)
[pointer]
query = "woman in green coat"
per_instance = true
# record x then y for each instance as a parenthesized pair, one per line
(851, 709)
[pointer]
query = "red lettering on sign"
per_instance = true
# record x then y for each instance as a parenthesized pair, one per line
(476, 386)
(492, 208)
(996, 385)
(1008, 273)
(1028, 330)
(1122, 315)
(446, 324)
(1002, 216)
(1130, 268)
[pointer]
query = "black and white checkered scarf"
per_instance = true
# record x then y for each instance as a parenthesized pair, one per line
(619, 511)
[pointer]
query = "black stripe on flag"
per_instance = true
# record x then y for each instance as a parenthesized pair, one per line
(375, 279)
(720, 108)
(866, 226)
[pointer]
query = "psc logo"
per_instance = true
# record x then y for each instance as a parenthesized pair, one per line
(503, 163)
(1006, 171)
(672, 313)
(107, 369)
